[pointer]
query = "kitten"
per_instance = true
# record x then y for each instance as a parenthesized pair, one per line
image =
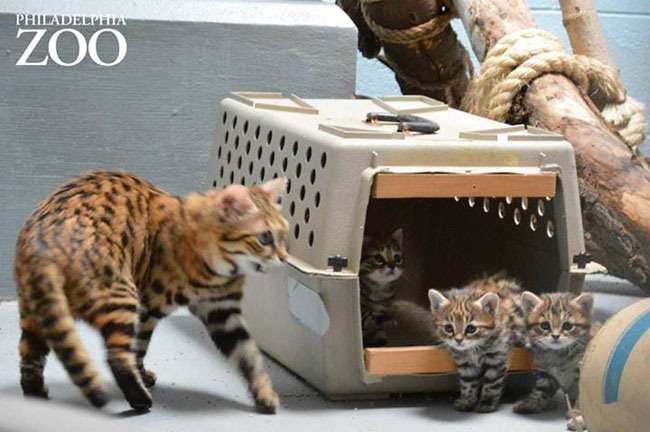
(121, 254)
(381, 266)
(479, 324)
(558, 328)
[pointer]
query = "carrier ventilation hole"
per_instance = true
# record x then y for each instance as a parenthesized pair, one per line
(225, 138)
(269, 137)
(272, 158)
(292, 208)
(311, 238)
(471, 201)
(298, 170)
(486, 205)
(317, 199)
(294, 150)
(262, 174)
(302, 193)
(307, 215)
(517, 216)
(501, 210)
(232, 177)
(239, 159)
(288, 185)
(259, 153)
(246, 126)
(243, 180)
(236, 142)
(285, 163)
(234, 122)
(257, 132)
(282, 141)
(248, 147)
(225, 117)
(550, 229)
(219, 152)
(508, 200)
(221, 172)
(250, 168)
(312, 176)
(308, 156)
(214, 183)
(229, 156)
(524, 203)
(323, 160)
(296, 231)
(541, 208)
(533, 223)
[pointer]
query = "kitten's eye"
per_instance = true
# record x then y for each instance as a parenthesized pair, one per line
(567, 326)
(545, 325)
(265, 238)
(448, 328)
(379, 258)
(397, 258)
(470, 329)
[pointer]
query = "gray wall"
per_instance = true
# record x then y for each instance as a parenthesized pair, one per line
(626, 24)
(153, 114)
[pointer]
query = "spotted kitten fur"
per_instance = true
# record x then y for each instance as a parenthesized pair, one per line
(479, 324)
(381, 266)
(558, 328)
(121, 254)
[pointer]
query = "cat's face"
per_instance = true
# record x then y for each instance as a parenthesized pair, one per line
(382, 257)
(247, 226)
(463, 319)
(558, 320)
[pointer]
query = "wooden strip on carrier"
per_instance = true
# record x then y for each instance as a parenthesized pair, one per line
(463, 185)
(427, 360)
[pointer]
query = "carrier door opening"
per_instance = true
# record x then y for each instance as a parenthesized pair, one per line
(457, 227)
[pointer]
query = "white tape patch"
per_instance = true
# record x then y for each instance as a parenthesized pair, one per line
(308, 308)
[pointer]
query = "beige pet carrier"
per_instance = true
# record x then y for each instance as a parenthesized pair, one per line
(475, 196)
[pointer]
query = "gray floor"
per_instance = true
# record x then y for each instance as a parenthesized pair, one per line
(197, 390)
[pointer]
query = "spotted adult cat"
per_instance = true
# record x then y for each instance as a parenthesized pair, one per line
(479, 324)
(121, 254)
(558, 328)
(381, 266)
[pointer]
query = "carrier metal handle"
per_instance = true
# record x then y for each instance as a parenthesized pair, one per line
(405, 122)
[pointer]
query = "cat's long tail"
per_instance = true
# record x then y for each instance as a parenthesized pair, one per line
(52, 313)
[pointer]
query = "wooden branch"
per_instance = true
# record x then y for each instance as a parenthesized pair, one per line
(583, 27)
(615, 187)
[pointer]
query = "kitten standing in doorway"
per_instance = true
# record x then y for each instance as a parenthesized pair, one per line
(381, 266)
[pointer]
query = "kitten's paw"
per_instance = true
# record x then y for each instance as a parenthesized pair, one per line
(267, 401)
(486, 407)
(98, 397)
(528, 406)
(576, 424)
(148, 377)
(461, 404)
(34, 388)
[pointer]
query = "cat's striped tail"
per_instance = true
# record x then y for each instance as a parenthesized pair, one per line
(51, 314)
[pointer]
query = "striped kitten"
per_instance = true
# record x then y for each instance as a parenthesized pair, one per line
(381, 266)
(479, 324)
(558, 329)
(121, 254)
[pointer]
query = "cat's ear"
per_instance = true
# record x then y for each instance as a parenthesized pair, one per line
(397, 236)
(234, 202)
(274, 188)
(529, 301)
(489, 302)
(584, 302)
(437, 300)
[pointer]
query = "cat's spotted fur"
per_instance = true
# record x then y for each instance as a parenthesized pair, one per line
(558, 328)
(479, 324)
(381, 266)
(121, 254)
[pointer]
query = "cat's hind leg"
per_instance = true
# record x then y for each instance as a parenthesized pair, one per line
(115, 317)
(143, 338)
(33, 352)
(539, 398)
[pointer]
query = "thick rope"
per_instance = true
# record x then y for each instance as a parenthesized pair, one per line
(522, 56)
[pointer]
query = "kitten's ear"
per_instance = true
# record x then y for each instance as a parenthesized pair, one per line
(234, 202)
(437, 300)
(397, 236)
(274, 187)
(585, 302)
(529, 301)
(489, 302)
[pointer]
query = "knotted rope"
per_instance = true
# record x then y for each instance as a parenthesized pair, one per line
(522, 56)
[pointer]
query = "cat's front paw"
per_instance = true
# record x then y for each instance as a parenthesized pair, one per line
(486, 407)
(528, 406)
(148, 377)
(462, 404)
(267, 401)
